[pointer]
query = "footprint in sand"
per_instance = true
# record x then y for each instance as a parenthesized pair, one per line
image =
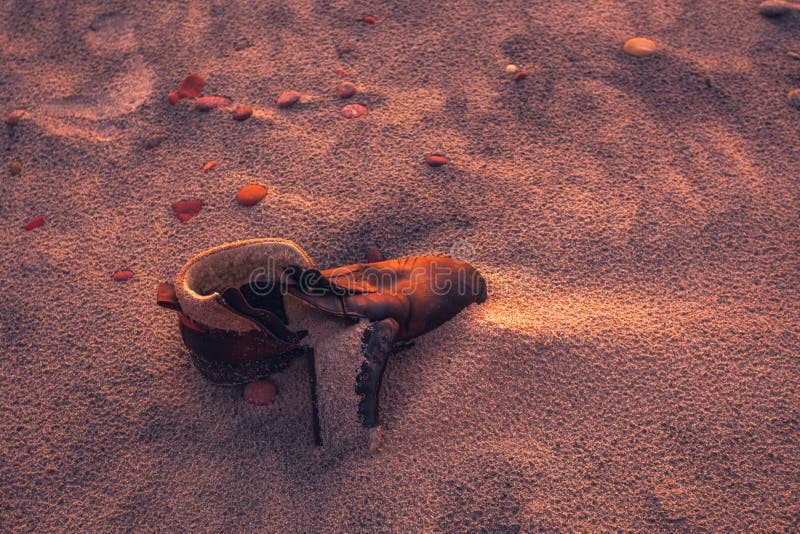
(116, 93)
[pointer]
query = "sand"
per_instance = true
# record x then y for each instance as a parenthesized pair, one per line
(635, 366)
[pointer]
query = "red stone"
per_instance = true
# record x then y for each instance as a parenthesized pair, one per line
(260, 393)
(352, 111)
(288, 99)
(369, 19)
(173, 98)
(207, 103)
(346, 89)
(191, 86)
(14, 117)
(521, 75)
(210, 165)
(122, 276)
(250, 195)
(436, 160)
(34, 223)
(242, 113)
(186, 209)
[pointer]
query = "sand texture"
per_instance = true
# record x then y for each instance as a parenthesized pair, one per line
(634, 368)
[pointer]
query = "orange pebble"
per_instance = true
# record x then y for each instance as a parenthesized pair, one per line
(122, 276)
(250, 195)
(210, 165)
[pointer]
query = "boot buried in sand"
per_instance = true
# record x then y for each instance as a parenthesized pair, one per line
(248, 308)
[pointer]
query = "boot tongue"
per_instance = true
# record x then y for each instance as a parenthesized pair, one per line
(269, 322)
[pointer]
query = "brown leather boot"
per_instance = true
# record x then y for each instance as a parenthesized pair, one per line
(232, 303)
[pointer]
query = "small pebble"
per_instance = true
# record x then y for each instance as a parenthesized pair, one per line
(288, 99)
(173, 98)
(14, 117)
(793, 55)
(207, 103)
(34, 223)
(794, 97)
(374, 254)
(242, 43)
(511, 69)
(436, 160)
(250, 195)
(15, 168)
(352, 111)
(521, 75)
(242, 113)
(191, 86)
(260, 393)
(639, 47)
(210, 165)
(154, 140)
(775, 8)
(122, 276)
(369, 19)
(346, 89)
(186, 209)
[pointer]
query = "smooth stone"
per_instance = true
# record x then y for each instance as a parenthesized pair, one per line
(436, 160)
(369, 19)
(639, 47)
(186, 209)
(174, 97)
(14, 117)
(122, 276)
(352, 111)
(242, 113)
(521, 75)
(191, 86)
(794, 97)
(15, 168)
(250, 195)
(775, 8)
(210, 165)
(34, 223)
(511, 69)
(154, 140)
(288, 99)
(260, 393)
(346, 89)
(207, 103)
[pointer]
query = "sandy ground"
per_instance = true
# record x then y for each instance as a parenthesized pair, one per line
(634, 368)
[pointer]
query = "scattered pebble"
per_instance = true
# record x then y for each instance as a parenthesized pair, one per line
(154, 140)
(122, 276)
(288, 99)
(173, 98)
(260, 393)
(15, 168)
(210, 165)
(369, 19)
(352, 111)
(436, 160)
(242, 43)
(775, 8)
(34, 223)
(242, 113)
(186, 209)
(521, 75)
(207, 103)
(191, 86)
(792, 54)
(794, 97)
(511, 69)
(346, 89)
(250, 195)
(374, 254)
(14, 117)
(639, 47)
